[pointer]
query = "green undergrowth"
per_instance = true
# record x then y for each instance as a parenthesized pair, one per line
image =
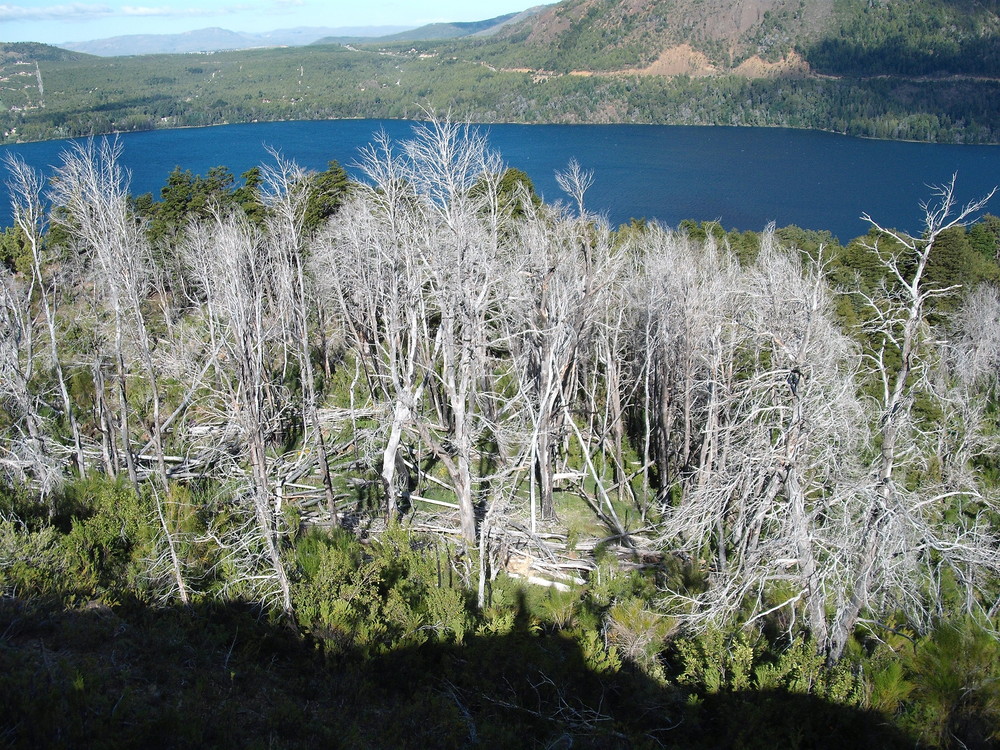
(389, 647)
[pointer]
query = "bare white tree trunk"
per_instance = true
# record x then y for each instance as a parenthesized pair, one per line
(564, 276)
(25, 448)
(286, 197)
(416, 267)
(93, 189)
(25, 187)
(781, 421)
(235, 273)
(896, 522)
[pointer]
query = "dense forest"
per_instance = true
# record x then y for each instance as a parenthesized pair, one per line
(104, 95)
(931, 37)
(422, 461)
(859, 38)
(922, 70)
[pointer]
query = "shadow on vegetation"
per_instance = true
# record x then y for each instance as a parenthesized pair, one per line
(221, 676)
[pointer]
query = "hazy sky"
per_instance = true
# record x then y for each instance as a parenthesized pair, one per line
(53, 22)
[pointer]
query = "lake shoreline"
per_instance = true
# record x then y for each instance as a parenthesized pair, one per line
(742, 177)
(5, 143)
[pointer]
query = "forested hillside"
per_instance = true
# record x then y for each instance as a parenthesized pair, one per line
(916, 70)
(929, 38)
(611, 35)
(835, 37)
(427, 447)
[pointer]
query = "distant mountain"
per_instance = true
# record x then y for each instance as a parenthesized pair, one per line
(214, 39)
(452, 30)
(203, 40)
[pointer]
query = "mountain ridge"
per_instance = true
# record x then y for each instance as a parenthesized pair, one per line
(447, 30)
(832, 37)
(213, 39)
(611, 35)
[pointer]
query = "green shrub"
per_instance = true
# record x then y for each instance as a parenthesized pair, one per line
(639, 634)
(955, 673)
(716, 661)
(111, 540)
(32, 563)
(390, 594)
(889, 687)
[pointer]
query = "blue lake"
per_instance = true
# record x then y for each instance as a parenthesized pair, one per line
(742, 177)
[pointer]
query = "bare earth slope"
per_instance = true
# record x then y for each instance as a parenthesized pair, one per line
(673, 36)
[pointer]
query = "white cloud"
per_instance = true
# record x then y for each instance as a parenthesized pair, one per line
(282, 7)
(167, 11)
(132, 10)
(87, 11)
(68, 12)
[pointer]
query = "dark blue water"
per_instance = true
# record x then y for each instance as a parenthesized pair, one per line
(742, 177)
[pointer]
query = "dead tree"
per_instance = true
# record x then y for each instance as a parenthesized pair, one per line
(796, 513)
(25, 186)
(93, 189)
(682, 295)
(25, 447)
(565, 273)
(370, 263)
(234, 275)
(785, 427)
(464, 269)
(417, 292)
(903, 542)
(286, 196)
